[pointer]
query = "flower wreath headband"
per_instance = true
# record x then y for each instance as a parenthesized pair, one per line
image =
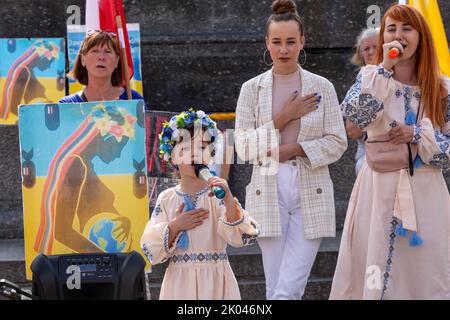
(113, 121)
(47, 49)
(187, 119)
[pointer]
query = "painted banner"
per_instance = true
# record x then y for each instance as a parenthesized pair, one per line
(156, 167)
(76, 35)
(84, 177)
(31, 71)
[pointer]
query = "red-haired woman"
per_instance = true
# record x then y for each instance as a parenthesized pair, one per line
(395, 243)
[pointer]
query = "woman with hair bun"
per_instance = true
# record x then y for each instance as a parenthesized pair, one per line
(294, 205)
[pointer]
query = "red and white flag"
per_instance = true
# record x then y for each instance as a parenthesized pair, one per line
(102, 15)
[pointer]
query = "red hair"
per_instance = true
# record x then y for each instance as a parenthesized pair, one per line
(432, 87)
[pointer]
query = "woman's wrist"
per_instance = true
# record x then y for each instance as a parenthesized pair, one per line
(281, 120)
(228, 200)
(232, 210)
(173, 229)
(297, 150)
(388, 67)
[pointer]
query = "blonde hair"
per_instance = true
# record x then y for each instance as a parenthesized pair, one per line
(284, 10)
(357, 58)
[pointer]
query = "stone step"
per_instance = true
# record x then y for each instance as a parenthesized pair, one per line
(11, 222)
(316, 289)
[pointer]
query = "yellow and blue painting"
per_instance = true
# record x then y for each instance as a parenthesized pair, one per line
(84, 177)
(31, 71)
(77, 33)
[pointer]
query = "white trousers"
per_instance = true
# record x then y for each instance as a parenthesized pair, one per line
(288, 259)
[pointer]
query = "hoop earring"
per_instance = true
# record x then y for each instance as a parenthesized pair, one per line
(304, 62)
(264, 58)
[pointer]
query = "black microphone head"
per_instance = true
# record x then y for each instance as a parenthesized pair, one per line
(198, 167)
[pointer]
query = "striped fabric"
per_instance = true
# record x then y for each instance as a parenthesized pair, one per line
(323, 138)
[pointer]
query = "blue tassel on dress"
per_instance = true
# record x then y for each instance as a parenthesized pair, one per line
(183, 241)
(418, 162)
(400, 231)
(415, 240)
(410, 118)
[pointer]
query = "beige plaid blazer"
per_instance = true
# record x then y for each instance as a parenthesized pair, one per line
(322, 137)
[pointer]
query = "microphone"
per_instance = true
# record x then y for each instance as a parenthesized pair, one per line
(202, 172)
(393, 53)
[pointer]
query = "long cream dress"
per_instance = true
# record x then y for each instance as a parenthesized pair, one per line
(202, 271)
(376, 260)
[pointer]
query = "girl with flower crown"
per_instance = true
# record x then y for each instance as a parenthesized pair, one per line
(190, 227)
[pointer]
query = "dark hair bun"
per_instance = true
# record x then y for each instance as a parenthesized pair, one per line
(284, 6)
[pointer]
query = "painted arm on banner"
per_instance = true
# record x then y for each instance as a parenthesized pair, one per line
(67, 203)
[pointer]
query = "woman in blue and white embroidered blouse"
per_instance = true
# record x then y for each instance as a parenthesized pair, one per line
(395, 243)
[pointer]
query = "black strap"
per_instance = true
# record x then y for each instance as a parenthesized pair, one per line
(411, 161)
(83, 97)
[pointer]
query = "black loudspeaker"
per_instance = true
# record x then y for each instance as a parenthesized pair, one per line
(104, 276)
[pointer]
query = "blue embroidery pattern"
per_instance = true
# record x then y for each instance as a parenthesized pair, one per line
(199, 257)
(388, 268)
(417, 134)
(248, 239)
(166, 239)
(147, 253)
(157, 210)
(233, 224)
(408, 97)
(440, 161)
(384, 72)
(361, 109)
(355, 89)
(369, 106)
(448, 109)
(196, 195)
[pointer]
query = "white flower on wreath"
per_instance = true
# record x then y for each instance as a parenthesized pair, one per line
(201, 114)
(166, 157)
(175, 134)
(173, 124)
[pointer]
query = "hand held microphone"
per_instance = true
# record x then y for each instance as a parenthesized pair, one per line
(393, 53)
(202, 172)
